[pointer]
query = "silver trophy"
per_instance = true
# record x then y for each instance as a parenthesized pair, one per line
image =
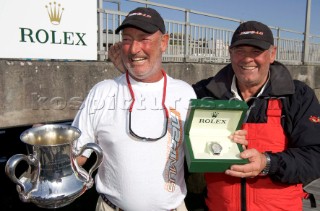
(53, 179)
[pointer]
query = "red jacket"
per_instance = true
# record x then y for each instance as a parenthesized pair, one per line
(226, 193)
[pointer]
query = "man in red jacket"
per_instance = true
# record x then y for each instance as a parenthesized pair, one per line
(283, 145)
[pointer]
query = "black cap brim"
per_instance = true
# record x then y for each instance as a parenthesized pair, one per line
(252, 42)
(142, 25)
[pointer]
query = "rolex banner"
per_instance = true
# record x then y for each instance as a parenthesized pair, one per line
(48, 29)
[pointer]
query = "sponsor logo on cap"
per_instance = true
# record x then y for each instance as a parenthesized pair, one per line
(251, 32)
(140, 14)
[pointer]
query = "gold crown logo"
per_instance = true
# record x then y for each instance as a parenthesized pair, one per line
(55, 12)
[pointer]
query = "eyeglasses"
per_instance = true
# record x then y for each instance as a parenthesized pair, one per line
(146, 138)
(163, 105)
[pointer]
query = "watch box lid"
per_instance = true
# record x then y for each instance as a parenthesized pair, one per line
(214, 117)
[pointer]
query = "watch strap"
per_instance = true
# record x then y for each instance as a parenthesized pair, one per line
(266, 169)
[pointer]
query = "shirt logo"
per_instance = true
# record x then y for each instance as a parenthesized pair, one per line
(314, 119)
(174, 144)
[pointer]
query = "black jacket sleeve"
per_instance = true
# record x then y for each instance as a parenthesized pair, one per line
(300, 162)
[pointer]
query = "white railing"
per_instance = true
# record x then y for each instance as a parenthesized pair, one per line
(191, 42)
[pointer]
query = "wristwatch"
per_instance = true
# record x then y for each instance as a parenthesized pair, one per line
(216, 148)
(266, 169)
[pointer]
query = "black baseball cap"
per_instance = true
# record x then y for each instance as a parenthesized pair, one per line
(145, 19)
(252, 33)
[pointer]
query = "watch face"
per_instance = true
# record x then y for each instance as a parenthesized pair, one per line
(216, 148)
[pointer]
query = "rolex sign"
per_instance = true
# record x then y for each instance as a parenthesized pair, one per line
(48, 29)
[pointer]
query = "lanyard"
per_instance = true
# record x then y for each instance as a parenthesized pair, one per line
(163, 105)
(163, 94)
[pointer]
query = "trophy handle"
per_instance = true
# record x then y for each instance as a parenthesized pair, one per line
(10, 170)
(97, 149)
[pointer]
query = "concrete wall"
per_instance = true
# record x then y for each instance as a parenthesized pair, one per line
(44, 91)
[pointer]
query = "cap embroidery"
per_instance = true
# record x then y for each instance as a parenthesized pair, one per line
(251, 32)
(314, 119)
(140, 14)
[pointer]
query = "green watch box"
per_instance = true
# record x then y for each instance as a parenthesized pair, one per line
(207, 127)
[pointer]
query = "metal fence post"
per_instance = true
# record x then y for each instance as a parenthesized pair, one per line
(101, 54)
(278, 43)
(186, 35)
(306, 33)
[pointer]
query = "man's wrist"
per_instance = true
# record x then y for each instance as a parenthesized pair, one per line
(266, 169)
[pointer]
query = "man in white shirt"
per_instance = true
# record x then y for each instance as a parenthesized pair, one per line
(138, 119)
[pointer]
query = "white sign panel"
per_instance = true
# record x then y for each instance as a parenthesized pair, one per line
(48, 29)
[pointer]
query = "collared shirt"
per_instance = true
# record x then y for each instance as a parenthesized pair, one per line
(235, 92)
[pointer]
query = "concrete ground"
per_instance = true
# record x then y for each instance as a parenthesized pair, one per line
(313, 188)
